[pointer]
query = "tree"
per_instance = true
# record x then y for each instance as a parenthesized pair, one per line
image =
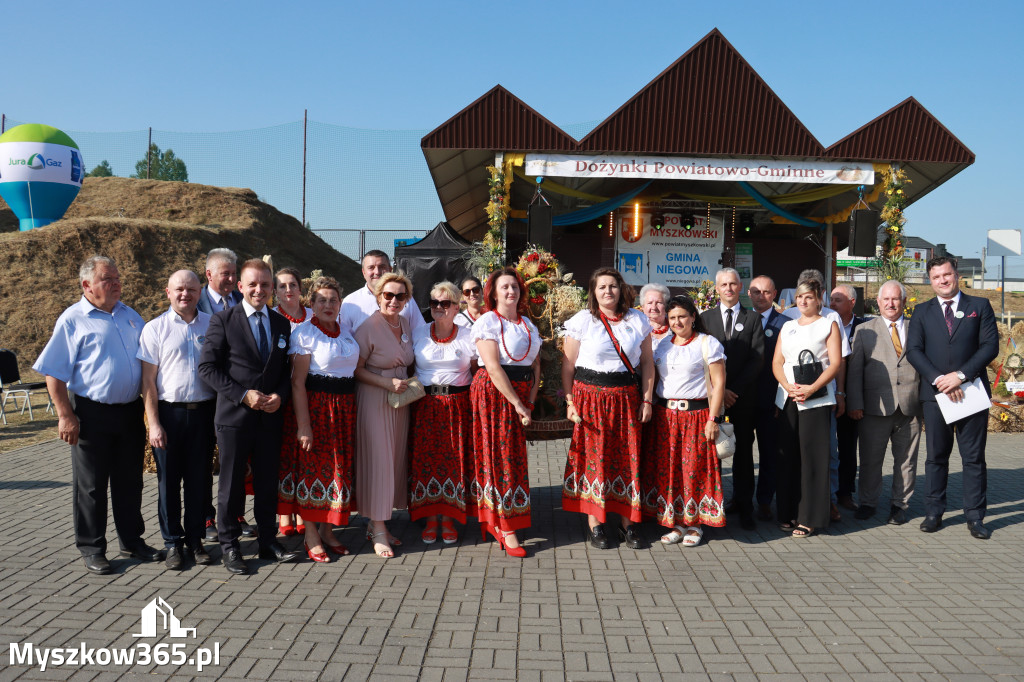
(162, 166)
(103, 170)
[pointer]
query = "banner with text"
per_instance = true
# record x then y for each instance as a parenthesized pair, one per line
(682, 168)
(681, 254)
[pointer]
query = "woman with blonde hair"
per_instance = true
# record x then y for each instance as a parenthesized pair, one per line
(803, 492)
(324, 357)
(385, 355)
(440, 436)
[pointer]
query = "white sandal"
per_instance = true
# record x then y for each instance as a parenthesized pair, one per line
(673, 537)
(693, 536)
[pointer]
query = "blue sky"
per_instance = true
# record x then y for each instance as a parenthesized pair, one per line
(219, 66)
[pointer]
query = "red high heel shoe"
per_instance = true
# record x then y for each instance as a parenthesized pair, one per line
(300, 528)
(320, 558)
(500, 535)
(286, 529)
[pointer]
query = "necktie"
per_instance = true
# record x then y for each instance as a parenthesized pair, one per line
(224, 303)
(728, 323)
(949, 317)
(264, 344)
(896, 339)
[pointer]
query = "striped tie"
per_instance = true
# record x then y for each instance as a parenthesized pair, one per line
(949, 317)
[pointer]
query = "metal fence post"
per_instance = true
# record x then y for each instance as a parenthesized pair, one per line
(3, 123)
(305, 122)
(149, 152)
(362, 244)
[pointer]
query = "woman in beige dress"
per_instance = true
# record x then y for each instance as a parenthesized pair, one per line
(385, 355)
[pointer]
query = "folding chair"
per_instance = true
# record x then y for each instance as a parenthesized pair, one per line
(12, 387)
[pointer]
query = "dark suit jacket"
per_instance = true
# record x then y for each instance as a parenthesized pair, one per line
(744, 352)
(767, 384)
(206, 305)
(230, 363)
(934, 352)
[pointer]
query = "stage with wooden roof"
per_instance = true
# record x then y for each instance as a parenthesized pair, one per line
(709, 105)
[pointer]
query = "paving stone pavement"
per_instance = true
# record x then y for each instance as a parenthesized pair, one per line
(864, 601)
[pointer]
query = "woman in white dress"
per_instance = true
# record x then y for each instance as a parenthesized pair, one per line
(803, 493)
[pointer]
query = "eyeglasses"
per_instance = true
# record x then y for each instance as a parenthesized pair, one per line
(469, 292)
(443, 305)
(389, 296)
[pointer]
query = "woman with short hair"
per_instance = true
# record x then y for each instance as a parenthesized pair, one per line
(653, 299)
(682, 477)
(324, 357)
(502, 396)
(803, 492)
(440, 434)
(385, 355)
(608, 379)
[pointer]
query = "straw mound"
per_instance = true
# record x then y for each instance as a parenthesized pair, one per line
(150, 228)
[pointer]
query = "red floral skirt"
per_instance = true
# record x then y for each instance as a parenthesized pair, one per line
(439, 456)
(681, 475)
(499, 490)
(602, 470)
(319, 487)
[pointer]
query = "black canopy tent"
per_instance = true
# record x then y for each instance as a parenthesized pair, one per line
(439, 256)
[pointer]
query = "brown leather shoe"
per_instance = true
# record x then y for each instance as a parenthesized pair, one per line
(834, 514)
(846, 502)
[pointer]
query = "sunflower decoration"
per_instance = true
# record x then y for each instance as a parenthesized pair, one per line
(893, 249)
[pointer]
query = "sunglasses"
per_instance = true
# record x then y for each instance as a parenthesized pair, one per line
(443, 305)
(468, 292)
(389, 296)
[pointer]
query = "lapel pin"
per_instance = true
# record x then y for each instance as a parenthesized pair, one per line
(739, 326)
(958, 314)
(769, 333)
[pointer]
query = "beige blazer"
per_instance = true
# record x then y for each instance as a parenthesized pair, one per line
(877, 381)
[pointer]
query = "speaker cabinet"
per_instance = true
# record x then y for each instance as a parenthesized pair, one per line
(540, 225)
(863, 233)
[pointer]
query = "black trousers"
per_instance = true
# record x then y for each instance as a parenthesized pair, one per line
(110, 450)
(184, 464)
(971, 435)
(767, 427)
(846, 432)
(804, 450)
(260, 442)
(742, 417)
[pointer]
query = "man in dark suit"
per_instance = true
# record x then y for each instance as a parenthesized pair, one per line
(842, 301)
(245, 361)
(883, 391)
(740, 331)
(952, 339)
(762, 296)
(220, 292)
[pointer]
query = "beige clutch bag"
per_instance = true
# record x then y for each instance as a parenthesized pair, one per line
(413, 391)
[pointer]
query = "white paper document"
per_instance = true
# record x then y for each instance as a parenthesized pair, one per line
(975, 400)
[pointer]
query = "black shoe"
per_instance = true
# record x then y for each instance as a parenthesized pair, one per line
(211, 530)
(897, 516)
(730, 505)
(175, 560)
(764, 512)
(234, 563)
(846, 502)
(631, 536)
(275, 551)
(247, 530)
(598, 538)
(978, 530)
(931, 524)
(98, 564)
(143, 552)
(199, 555)
(747, 521)
(864, 512)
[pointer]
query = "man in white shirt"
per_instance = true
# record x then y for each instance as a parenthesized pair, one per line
(361, 303)
(179, 408)
(221, 291)
(884, 398)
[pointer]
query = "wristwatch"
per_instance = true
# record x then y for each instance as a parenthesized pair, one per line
(961, 376)
(717, 420)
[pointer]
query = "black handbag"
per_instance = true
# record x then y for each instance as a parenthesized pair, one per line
(806, 372)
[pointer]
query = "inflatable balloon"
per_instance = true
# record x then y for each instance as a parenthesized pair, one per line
(41, 171)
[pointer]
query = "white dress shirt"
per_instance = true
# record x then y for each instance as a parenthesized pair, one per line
(735, 315)
(357, 307)
(265, 319)
(174, 346)
(217, 300)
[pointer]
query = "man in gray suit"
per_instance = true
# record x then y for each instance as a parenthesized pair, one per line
(882, 394)
(221, 291)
